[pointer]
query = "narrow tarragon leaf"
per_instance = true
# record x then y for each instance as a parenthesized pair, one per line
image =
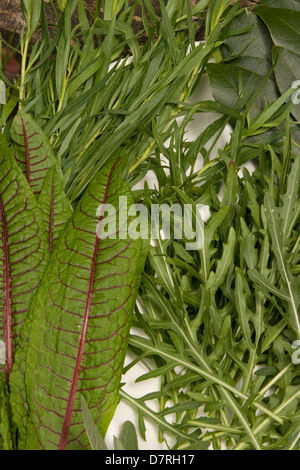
(55, 206)
(81, 322)
(23, 253)
(33, 152)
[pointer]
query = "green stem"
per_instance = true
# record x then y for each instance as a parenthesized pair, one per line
(23, 71)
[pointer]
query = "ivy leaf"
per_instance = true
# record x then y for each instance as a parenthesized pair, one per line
(81, 322)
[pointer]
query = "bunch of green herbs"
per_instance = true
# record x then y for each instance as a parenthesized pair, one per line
(222, 322)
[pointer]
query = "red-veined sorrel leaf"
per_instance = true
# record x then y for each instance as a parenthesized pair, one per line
(23, 258)
(23, 252)
(55, 206)
(81, 323)
(6, 442)
(33, 152)
(55, 209)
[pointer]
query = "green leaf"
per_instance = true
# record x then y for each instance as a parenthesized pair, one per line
(128, 436)
(230, 197)
(244, 313)
(82, 318)
(283, 25)
(6, 441)
(54, 205)
(33, 151)
(289, 211)
(224, 80)
(95, 438)
(201, 445)
(62, 4)
(23, 251)
(291, 284)
(216, 279)
(24, 255)
(287, 71)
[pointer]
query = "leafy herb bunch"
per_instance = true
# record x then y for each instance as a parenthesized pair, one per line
(83, 126)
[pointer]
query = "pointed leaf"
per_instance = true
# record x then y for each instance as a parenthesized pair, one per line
(289, 212)
(23, 253)
(55, 206)
(217, 278)
(6, 442)
(128, 436)
(96, 441)
(33, 151)
(292, 284)
(81, 323)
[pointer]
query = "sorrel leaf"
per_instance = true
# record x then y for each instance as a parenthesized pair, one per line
(23, 253)
(55, 210)
(33, 151)
(81, 322)
(55, 206)
(6, 442)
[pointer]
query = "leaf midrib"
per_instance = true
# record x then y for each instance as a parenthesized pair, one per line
(71, 399)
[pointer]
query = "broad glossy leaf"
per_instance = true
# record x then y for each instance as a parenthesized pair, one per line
(33, 151)
(225, 80)
(81, 323)
(283, 25)
(287, 71)
(289, 4)
(250, 59)
(55, 206)
(23, 253)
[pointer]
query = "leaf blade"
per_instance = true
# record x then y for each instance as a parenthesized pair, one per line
(84, 331)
